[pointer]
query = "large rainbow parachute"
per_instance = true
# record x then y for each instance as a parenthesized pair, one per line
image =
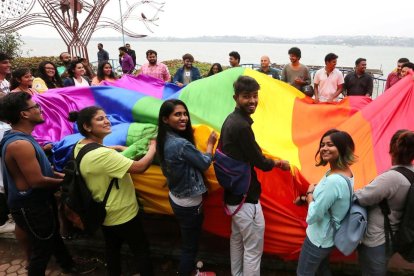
(288, 125)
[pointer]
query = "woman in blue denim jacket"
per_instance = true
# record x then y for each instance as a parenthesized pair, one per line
(183, 166)
(328, 202)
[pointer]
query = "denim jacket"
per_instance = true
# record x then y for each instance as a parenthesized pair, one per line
(183, 166)
(179, 75)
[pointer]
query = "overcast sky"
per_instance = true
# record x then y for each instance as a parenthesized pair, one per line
(277, 18)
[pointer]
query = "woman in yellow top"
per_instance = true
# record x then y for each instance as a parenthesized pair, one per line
(98, 167)
(105, 73)
(48, 77)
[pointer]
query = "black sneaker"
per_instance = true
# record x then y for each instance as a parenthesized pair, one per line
(82, 266)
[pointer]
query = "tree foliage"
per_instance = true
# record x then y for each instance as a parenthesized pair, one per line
(11, 43)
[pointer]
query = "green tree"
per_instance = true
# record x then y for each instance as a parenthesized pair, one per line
(11, 43)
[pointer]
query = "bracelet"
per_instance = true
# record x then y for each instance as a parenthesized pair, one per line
(309, 193)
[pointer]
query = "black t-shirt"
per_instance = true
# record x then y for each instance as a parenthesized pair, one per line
(238, 142)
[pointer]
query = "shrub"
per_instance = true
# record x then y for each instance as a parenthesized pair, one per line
(33, 62)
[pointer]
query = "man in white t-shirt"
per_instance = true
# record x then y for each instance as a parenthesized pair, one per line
(5, 67)
(6, 225)
(328, 81)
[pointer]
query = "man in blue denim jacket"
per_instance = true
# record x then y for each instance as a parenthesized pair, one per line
(187, 73)
(238, 142)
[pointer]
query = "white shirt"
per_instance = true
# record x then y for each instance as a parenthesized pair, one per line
(3, 128)
(84, 82)
(186, 201)
(5, 86)
(327, 84)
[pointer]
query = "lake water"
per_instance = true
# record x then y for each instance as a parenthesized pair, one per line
(378, 57)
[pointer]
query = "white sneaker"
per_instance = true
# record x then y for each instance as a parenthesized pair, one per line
(8, 227)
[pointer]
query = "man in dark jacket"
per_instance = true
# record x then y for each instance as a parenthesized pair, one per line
(238, 142)
(131, 53)
(187, 73)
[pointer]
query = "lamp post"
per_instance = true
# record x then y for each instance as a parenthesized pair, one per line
(122, 24)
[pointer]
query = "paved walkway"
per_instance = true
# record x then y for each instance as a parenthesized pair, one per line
(163, 234)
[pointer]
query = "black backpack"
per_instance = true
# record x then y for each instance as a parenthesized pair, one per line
(403, 239)
(78, 198)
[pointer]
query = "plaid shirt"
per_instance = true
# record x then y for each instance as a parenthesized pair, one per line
(159, 71)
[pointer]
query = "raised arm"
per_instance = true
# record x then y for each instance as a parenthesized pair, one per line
(143, 164)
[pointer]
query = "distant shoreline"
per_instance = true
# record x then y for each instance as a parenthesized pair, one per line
(351, 41)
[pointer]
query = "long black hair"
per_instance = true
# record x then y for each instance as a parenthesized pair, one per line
(101, 74)
(165, 111)
(72, 67)
(54, 82)
(220, 69)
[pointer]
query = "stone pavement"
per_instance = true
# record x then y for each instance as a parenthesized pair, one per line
(163, 234)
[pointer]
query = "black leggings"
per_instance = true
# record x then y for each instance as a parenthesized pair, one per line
(133, 234)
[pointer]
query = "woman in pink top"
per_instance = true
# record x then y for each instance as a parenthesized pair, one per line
(105, 73)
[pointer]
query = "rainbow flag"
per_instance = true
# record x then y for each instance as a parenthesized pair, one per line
(288, 125)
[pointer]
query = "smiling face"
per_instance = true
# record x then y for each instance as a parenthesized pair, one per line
(215, 69)
(26, 80)
(247, 101)
(188, 63)
(50, 70)
(328, 151)
(107, 69)
(361, 67)
(264, 62)
(293, 58)
(178, 119)
(79, 70)
(404, 71)
(233, 62)
(5, 67)
(33, 112)
(99, 126)
(152, 59)
(330, 65)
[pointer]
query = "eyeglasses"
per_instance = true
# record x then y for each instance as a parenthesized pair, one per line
(49, 68)
(37, 106)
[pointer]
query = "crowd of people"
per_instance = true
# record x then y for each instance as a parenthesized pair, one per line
(328, 83)
(29, 181)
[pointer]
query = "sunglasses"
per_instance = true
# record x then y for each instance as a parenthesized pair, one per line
(37, 106)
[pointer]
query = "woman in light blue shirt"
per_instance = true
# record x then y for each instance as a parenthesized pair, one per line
(328, 202)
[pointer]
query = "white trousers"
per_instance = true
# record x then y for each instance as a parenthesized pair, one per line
(246, 240)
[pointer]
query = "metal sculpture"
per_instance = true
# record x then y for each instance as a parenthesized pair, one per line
(65, 17)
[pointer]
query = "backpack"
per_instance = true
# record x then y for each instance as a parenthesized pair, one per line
(403, 239)
(78, 198)
(233, 175)
(352, 227)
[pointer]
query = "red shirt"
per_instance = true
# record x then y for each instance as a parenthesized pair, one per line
(392, 79)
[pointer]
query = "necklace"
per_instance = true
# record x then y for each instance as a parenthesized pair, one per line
(19, 130)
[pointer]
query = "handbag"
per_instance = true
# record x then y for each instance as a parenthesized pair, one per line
(233, 175)
(353, 226)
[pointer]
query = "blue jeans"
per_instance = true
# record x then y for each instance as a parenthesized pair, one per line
(313, 259)
(190, 220)
(373, 260)
(41, 225)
